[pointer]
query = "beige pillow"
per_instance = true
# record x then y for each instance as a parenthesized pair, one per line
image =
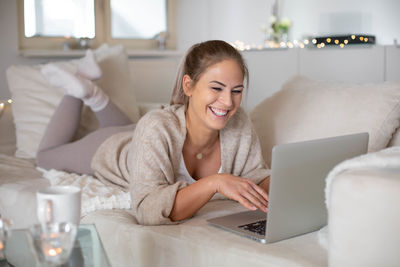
(395, 141)
(305, 109)
(34, 101)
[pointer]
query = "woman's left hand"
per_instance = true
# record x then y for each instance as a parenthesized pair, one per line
(243, 190)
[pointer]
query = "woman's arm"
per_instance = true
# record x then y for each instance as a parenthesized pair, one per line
(190, 199)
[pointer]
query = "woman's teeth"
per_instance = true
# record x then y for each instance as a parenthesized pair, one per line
(219, 112)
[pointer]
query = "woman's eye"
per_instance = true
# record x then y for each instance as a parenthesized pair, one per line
(216, 88)
(237, 91)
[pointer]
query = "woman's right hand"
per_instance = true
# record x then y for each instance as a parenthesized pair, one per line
(243, 190)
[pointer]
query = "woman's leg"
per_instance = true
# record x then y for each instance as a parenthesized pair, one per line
(56, 150)
(64, 124)
(111, 115)
(77, 156)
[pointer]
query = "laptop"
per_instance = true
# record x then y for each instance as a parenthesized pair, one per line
(296, 197)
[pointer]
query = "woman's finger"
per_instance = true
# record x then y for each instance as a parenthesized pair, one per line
(259, 198)
(245, 203)
(259, 190)
(255, 199)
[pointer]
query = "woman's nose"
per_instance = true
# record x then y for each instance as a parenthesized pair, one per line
(226, 98)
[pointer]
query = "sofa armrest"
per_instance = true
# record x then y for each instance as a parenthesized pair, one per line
(364, 218)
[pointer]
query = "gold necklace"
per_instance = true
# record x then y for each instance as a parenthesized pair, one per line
(201, 155)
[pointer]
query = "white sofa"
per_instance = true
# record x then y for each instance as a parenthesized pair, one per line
(192, 243)
(303, 109)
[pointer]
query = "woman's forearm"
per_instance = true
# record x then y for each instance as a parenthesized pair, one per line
(191, 198)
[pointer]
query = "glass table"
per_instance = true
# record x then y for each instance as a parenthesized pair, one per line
(88, 249)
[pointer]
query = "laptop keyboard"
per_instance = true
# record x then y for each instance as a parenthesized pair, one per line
(255, 227)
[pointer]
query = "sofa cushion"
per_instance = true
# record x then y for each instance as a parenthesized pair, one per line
(395, 141)
(7, 130)
(305, 109)
(34, 101)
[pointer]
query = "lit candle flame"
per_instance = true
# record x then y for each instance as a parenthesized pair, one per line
(54, 251)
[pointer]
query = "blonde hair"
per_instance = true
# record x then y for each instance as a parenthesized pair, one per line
(196, 61)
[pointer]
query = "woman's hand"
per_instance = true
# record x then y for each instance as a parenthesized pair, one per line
(243, 190)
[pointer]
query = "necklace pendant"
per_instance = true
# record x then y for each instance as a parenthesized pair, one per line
(199, 155)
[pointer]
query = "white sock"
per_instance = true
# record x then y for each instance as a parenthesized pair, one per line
(88, 67)
(76, 86)
(98, 99)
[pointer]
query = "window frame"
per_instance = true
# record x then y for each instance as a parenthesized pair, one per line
(102, 31)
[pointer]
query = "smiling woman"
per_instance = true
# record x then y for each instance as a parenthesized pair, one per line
(176, 159)
(47, 24)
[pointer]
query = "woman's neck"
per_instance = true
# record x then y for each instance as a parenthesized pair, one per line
(200, 138)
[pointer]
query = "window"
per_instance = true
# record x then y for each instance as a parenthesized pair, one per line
(58, 18)
(127, 21)
(137, 24)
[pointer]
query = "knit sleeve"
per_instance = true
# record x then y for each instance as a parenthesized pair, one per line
(152, 184)
(242, 150)
(255, 167)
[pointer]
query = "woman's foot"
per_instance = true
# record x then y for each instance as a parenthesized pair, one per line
(75, 85)
(88, 67)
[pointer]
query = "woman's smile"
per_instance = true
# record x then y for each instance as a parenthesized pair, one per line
(220, 113)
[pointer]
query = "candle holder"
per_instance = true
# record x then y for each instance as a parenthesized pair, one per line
(52, 243)
(4, 236)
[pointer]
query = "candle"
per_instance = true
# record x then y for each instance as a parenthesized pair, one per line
(53, 251)
(51, 246)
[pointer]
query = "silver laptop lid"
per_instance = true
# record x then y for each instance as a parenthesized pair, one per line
(298, 172)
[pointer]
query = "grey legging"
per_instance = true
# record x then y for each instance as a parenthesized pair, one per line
(58, 151)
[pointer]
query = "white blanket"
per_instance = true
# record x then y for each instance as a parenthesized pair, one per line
(95, 194)
(362, 196)
(386, 158)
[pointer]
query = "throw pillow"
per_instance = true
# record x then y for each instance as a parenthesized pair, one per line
(395, 141)
(34, 101)
(305, 109)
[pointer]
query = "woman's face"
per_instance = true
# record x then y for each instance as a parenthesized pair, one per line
(217, 95)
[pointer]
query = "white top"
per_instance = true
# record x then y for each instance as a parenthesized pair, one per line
(183, 174)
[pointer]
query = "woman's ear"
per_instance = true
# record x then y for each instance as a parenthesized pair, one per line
(187, 85)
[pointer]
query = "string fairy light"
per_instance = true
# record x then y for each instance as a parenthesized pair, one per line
(3, 104)
(318, 42)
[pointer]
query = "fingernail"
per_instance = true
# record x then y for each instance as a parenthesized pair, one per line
(253, 207)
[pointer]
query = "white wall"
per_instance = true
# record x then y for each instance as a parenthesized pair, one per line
(9, 43)
(378, 17)
(269, 69)
(232, 20)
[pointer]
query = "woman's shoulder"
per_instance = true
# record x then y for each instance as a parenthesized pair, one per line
(162, 115)
(239, 121)
(161, 120)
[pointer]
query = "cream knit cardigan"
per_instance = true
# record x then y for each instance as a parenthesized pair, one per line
(147, 161)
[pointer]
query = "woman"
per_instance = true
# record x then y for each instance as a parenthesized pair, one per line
(178, 158)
